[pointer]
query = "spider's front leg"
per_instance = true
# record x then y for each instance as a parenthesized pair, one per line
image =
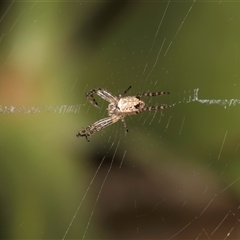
(85, 133)
(91, 99)
(103, 93)
(95, 127)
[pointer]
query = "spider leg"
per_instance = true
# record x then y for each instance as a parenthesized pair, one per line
(103, 93)
(151, 94)
(124, 124)
(155, 108)
(121, 95)
(95, 127)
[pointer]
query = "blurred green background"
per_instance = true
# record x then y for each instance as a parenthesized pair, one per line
(174, 175)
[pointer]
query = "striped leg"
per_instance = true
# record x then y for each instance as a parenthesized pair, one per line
(121, 95)
(155, 108)
(151, 94)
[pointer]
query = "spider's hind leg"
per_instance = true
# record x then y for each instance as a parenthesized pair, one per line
(155, 108)
(151, 94)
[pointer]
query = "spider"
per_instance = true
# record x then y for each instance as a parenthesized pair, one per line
(118, 108)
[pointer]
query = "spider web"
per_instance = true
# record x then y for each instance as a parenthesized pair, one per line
(175, 175)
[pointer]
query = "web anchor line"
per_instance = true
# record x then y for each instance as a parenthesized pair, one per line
(63, 109)
(222, 102)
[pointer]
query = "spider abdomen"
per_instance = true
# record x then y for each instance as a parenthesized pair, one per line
(130, 105)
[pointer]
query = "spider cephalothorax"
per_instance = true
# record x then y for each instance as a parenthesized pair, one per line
(118, 108)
